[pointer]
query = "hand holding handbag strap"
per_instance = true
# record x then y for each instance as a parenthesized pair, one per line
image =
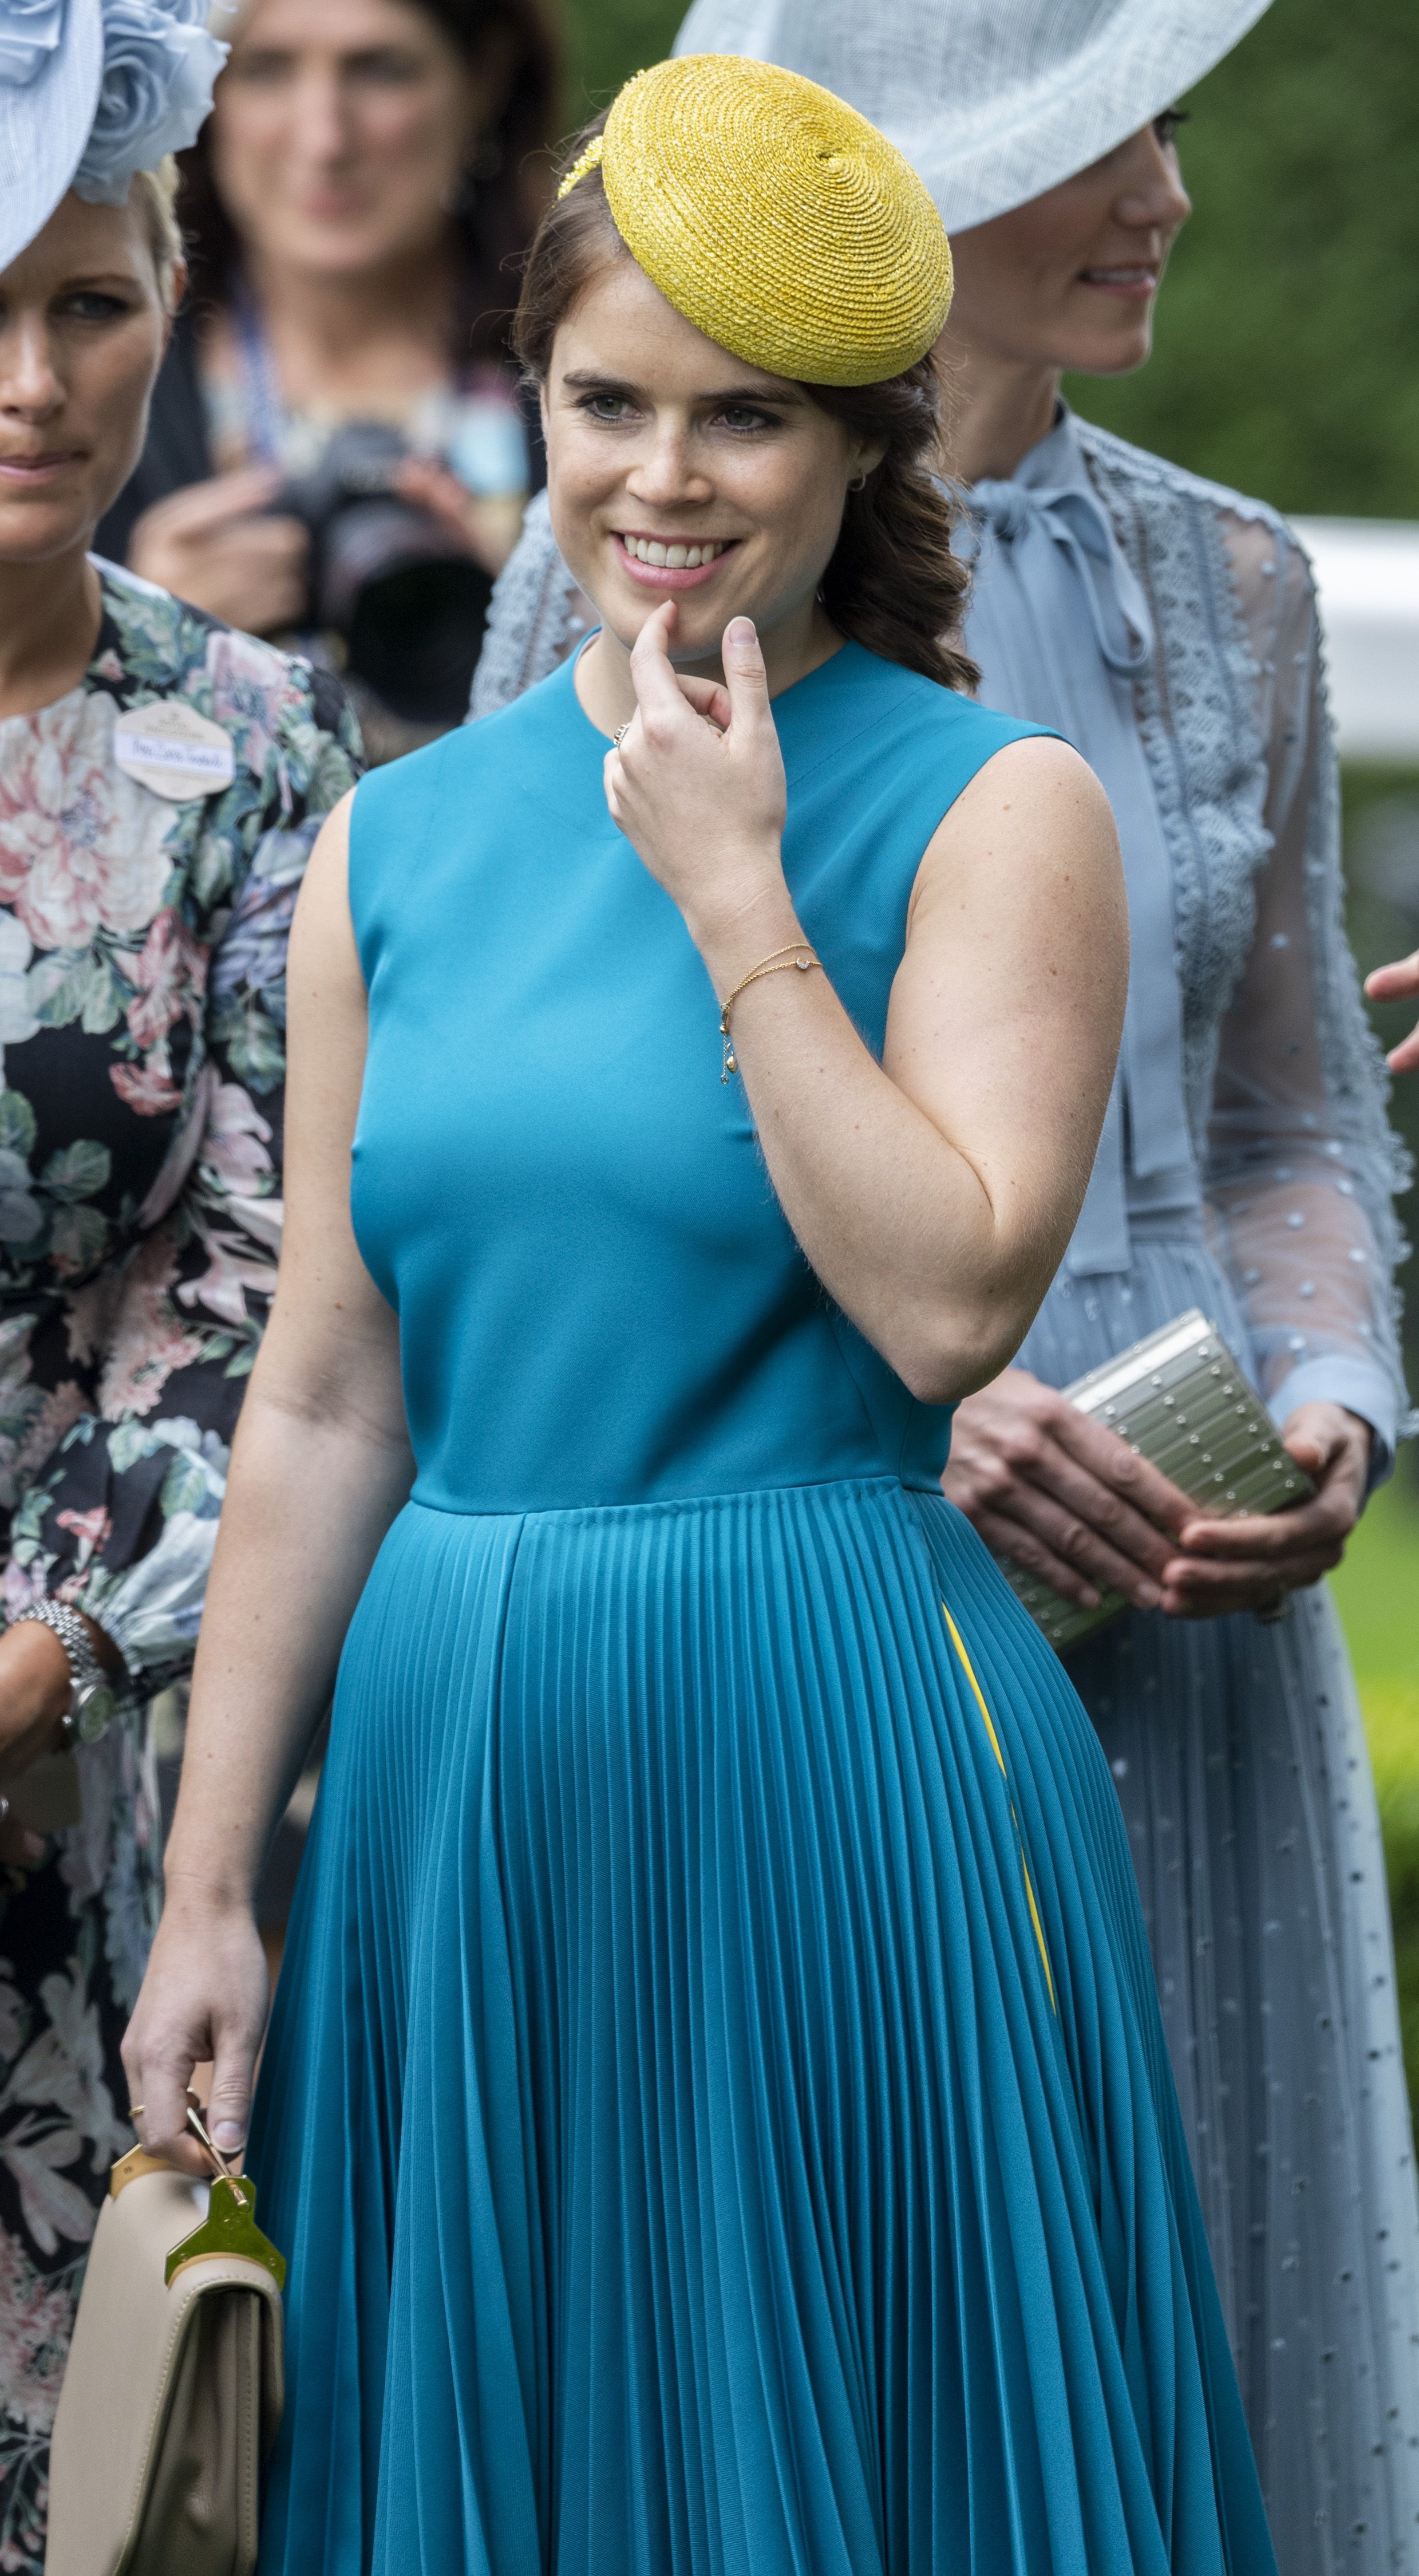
(173, 2393)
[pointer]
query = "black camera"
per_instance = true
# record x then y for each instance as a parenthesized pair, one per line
(388, 579)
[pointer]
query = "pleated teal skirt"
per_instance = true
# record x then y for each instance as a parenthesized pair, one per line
(716, 2108)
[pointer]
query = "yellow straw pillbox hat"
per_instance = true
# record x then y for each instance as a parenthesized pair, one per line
(774, 218)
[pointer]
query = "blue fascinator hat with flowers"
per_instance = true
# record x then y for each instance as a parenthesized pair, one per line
(92, 91)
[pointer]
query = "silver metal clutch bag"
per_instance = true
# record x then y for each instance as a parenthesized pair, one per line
(1179, 1399)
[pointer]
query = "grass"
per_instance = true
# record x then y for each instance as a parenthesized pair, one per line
(1377, 1591)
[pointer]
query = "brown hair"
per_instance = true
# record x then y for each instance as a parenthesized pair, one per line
(504, 189)
(892, 583)
(155, 194)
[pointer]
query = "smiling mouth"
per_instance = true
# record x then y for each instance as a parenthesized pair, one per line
(1137, 277)
(674, 554)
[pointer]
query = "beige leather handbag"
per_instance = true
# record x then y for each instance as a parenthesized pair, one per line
(173, 2392)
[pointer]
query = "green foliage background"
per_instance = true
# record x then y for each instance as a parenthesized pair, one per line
(1287, 362)
(610, 39)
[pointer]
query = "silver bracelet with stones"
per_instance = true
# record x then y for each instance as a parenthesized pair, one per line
(92, 1697)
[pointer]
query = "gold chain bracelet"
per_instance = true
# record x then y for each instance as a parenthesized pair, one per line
(798, 953)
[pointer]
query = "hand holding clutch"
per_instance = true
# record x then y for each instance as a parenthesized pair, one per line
(1063, 1496)
(1249, 1561)
(1157, 1480)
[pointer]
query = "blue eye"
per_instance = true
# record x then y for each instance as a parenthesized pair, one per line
(90, 304)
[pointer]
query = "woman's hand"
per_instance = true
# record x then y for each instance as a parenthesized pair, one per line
(34, 1695)
(1068, 1500)
(214, 544)
(1398, 982)
(485, 525)
(1064, 1496)
(204, 1999)
(697, 786)
(1250, 1562)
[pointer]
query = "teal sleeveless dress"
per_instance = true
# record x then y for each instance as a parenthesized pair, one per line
(716, 2108)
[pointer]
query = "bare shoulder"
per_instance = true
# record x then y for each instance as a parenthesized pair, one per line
(1017, 938)
(330, 851)
(1028, 791)
(328, 1022)
(1034, 827)
(1012, 984)
(322, 935)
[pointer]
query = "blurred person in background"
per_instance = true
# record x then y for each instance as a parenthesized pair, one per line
(1169, 630)
(337, 450)
(161, 782)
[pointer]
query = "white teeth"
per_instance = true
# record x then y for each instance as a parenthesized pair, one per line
(675, 558)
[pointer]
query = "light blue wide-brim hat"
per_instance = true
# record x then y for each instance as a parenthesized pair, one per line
(92, 91)
(51, 63)
(992, 101)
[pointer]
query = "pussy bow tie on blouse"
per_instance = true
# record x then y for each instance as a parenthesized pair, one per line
(1061, 629)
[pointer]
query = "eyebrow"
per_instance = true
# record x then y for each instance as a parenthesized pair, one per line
(589, 380)
(273, 51)
(97, 277)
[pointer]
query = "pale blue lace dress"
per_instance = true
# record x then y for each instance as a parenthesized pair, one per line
(1169, 628)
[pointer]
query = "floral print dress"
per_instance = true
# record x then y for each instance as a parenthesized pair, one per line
(142, 1018)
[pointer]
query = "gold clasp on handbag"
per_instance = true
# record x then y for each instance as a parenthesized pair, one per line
(230, 2224)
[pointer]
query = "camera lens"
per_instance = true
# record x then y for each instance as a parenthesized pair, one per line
(414, 635)
(408, 601)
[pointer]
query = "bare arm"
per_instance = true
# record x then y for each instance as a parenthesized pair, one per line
(319, 1468)
(934, 1193)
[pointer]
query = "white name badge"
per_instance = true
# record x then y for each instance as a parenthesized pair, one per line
(169, 748)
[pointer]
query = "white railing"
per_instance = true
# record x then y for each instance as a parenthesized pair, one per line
(1367, 571)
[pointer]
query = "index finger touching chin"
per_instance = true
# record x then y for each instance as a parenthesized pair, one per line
(653, 642)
